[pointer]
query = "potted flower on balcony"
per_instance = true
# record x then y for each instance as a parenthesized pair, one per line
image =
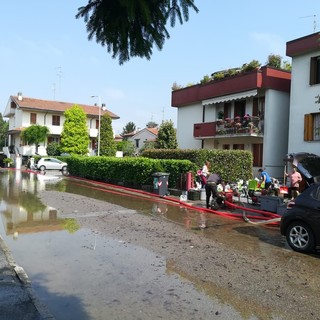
(227, 122)
(238, 125)
(237, 119)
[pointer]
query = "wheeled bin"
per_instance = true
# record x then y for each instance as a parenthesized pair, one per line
(160, 183)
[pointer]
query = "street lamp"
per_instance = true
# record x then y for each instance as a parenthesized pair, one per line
(100, 105)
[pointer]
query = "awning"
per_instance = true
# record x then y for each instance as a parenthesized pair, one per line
(230, 97)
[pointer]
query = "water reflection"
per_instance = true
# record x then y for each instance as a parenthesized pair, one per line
(80, 274)
(21, 210)
(97, 276)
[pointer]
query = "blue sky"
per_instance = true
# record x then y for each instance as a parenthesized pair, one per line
(45, 53)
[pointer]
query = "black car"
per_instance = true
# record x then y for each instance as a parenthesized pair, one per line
(301, 221)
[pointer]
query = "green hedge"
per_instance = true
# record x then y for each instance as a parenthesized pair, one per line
(133, 172)
(231, 164)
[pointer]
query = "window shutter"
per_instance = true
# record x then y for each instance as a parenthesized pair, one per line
(308, 127)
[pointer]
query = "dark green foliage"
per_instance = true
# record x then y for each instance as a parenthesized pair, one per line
(254, 64)
(130, 171)
(232, 164)
(129, 127)
(151, 124)
(167, 138)
(131, 28)
(4, 125)
(35, 134)
(107, 143)
(53, 149)
(75, 136)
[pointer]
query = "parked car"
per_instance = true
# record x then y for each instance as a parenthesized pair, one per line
(48, 163)
(301, 221)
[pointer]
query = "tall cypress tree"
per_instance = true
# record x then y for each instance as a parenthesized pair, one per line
(75, 136)
(107, 143)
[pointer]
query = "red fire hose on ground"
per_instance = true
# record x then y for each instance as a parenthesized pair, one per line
(250, 215)
(258, 217)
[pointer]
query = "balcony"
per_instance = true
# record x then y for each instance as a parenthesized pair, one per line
(237, 127)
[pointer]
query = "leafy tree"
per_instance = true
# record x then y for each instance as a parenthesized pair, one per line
(53, 149)
(107, 143)
(35, 134)
(128, 128)
(252, 65)
(4, 126)
(127, 147)
(131, 28)
(274, 60)
(148, 145)
(286, 65)
(151, 124)
(167, 138)
(74, 135)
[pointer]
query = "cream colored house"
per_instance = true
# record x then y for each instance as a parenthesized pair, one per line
(23, 112)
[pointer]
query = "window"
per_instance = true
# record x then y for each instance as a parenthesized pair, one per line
(137, 142)
(315, 70)
(312, 127)
(56, 120)
(54, 139)
(97, 124)
(239, 108)
(226, 146)
(238, 147)
(227, 109)
(33, 118)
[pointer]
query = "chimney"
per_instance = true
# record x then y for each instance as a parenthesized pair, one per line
(19, 96)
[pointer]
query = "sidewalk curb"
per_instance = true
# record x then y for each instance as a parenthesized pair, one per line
(26, 283)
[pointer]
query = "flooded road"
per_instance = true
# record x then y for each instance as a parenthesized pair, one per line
(93, 252)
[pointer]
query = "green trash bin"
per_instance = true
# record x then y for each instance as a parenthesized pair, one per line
(160, 183)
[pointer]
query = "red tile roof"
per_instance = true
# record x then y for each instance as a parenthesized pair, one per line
(153, 130)
(57, 106)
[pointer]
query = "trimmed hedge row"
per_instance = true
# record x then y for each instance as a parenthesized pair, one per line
(132, 172)
(231, 164)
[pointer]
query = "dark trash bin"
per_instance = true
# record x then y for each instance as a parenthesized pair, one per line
(160, 183)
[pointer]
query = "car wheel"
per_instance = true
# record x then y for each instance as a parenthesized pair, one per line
(42, 168)
(300, 237)
(64, 170)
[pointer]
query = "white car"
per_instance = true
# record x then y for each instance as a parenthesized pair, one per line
(47, 163)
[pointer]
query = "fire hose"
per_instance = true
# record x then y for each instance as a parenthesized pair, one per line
(265, 216)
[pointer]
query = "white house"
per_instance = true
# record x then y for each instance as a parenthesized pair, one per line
(23, 112)
(140, 137)
(304, 121)
(254, 112)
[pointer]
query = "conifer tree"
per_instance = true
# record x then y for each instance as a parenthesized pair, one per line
(107, 144)
(131, 28)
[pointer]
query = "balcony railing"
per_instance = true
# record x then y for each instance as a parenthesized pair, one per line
(248, 125)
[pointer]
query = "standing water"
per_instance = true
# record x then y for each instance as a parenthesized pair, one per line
(80, 273)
